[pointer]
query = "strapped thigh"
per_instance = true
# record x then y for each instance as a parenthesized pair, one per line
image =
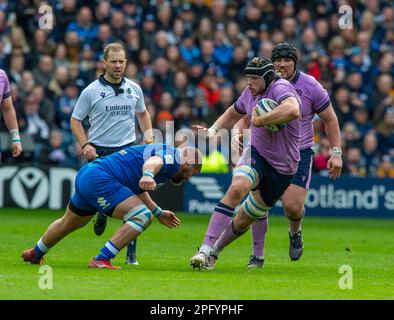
(249, 173)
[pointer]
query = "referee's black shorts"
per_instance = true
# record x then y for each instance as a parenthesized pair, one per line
(106, 151)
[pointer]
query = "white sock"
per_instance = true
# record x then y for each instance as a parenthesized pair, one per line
(206, 249)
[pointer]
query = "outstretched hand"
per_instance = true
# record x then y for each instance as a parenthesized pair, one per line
(169, 219)
(201, 130)
(198, 128)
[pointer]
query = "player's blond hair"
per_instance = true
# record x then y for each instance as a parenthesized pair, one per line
(116, 46)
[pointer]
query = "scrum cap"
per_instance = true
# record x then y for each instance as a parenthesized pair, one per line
(263, 67)
(284, 50)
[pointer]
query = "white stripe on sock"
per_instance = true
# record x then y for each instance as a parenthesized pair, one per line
(111, 248)
(42, 246)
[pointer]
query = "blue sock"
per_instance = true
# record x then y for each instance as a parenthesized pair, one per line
(108, 252)
(40, 249)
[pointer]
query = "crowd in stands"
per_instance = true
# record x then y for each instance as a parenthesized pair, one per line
(188, 57)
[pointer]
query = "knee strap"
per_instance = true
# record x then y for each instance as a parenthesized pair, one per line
(138, 217)
(254, 209)
(247, 172)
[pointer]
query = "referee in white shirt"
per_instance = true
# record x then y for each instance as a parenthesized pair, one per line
(111, 104)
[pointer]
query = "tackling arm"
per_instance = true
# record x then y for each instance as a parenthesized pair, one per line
(166, 217)
(150, 168)
(244, 123)
(226, 120)
(147, 200)
(153, 164)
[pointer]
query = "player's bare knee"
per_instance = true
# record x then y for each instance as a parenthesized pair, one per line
(294, 210)
(238, 191)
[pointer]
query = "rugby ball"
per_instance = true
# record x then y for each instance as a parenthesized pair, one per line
(265, 105)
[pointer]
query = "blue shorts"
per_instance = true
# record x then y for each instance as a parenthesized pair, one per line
(303, 175)
(97, 191)
(272, 184)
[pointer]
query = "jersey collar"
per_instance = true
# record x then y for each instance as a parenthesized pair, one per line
(296, 76)
(104, 82)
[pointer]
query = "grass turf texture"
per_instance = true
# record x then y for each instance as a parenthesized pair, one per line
(164, 271)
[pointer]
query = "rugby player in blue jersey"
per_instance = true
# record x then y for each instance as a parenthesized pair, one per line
(118, 186)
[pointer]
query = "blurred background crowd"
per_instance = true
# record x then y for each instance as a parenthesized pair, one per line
(188, 57)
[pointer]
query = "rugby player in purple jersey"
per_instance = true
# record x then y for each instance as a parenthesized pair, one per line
(9, 115)
(274, 157)
(314, 100)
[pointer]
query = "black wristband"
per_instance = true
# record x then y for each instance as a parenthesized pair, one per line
(85, 145)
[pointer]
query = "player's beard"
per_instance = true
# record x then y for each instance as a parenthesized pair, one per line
(285, 73)
(115, 75)
(178, 179)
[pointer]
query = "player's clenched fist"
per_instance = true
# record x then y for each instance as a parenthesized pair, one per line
(147, 183)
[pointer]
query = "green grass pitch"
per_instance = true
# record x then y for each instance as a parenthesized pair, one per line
(164, 273)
